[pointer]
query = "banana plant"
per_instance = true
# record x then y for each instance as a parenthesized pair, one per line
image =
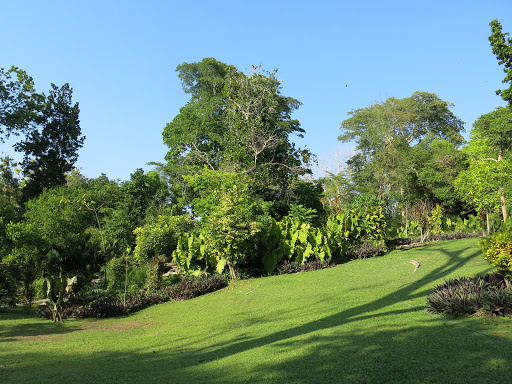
(59, 292)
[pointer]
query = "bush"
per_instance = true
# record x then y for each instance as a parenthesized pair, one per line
(364, 252)
(293, 266)
(498, 251)
(197, 286)
(111, 306)
(7, 288)
(487, 294)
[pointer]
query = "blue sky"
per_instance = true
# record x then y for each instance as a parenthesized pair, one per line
(333, 56)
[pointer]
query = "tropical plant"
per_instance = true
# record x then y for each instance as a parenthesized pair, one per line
(498, 252)
(59, 293)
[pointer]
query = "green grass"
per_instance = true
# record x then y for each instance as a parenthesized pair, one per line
(361, 322)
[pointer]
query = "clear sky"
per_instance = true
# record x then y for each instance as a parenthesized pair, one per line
(334, 56)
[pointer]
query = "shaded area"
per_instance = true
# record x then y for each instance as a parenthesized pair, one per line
(27, 327)
(387, 350)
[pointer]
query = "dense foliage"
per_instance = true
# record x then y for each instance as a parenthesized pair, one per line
(236, 196)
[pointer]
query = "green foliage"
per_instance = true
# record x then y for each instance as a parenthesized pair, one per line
(388, 136)
(191, 256)
(238, 123)
(230, 229)
(59, 293)
(160, 237)
(502, 48)
(302, 241)
(51, 150)
(19, 102)
(10, 205)
(7, 287)
(481, 184)
(356, 228)
(50, 223)
(438, 164)
(498, 251)
(467, 296)
(300, 213)
(154, 279)
(125, 275)
(229, 225)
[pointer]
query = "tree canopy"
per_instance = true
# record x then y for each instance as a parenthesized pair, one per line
(236, 123)
(388, 134)
(51, 149)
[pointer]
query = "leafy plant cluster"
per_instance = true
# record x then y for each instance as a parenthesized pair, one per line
(488, 294)
(498, 251)
(111, 306)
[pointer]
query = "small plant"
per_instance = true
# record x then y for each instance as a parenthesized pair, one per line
(435, 219)
(468, 296)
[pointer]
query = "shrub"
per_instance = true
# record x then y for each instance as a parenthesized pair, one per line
(293, 266)
(467, 296)
(7, 288)
(498, 251)
(197, 286)
(364, 252)
(111, 306)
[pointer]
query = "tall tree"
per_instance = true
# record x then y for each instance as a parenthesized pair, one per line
(502, 48)
(237, 123)
(385, 135)
(51, 149)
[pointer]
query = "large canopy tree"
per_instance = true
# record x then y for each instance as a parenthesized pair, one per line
(387, 136)
(236, 123)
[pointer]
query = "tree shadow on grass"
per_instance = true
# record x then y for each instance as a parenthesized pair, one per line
(15, 324)
(336, 348)
(426, 353)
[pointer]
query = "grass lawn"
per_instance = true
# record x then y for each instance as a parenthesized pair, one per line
(361, 322)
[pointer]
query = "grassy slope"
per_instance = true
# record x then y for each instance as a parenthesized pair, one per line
(350, 324)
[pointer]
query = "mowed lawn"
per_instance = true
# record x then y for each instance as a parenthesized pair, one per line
(360, 322)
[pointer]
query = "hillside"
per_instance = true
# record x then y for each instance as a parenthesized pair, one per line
(360, 322)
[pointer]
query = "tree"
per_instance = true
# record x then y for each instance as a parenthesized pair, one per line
(437, 167)
(19, 102)
(502, 48)
(491, 141)
(482, 185)
(230, 219)
(386, 134)
(236, 123)
(51, 150)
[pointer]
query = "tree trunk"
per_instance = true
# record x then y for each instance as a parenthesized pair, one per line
(502, 194)
(503, 205)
